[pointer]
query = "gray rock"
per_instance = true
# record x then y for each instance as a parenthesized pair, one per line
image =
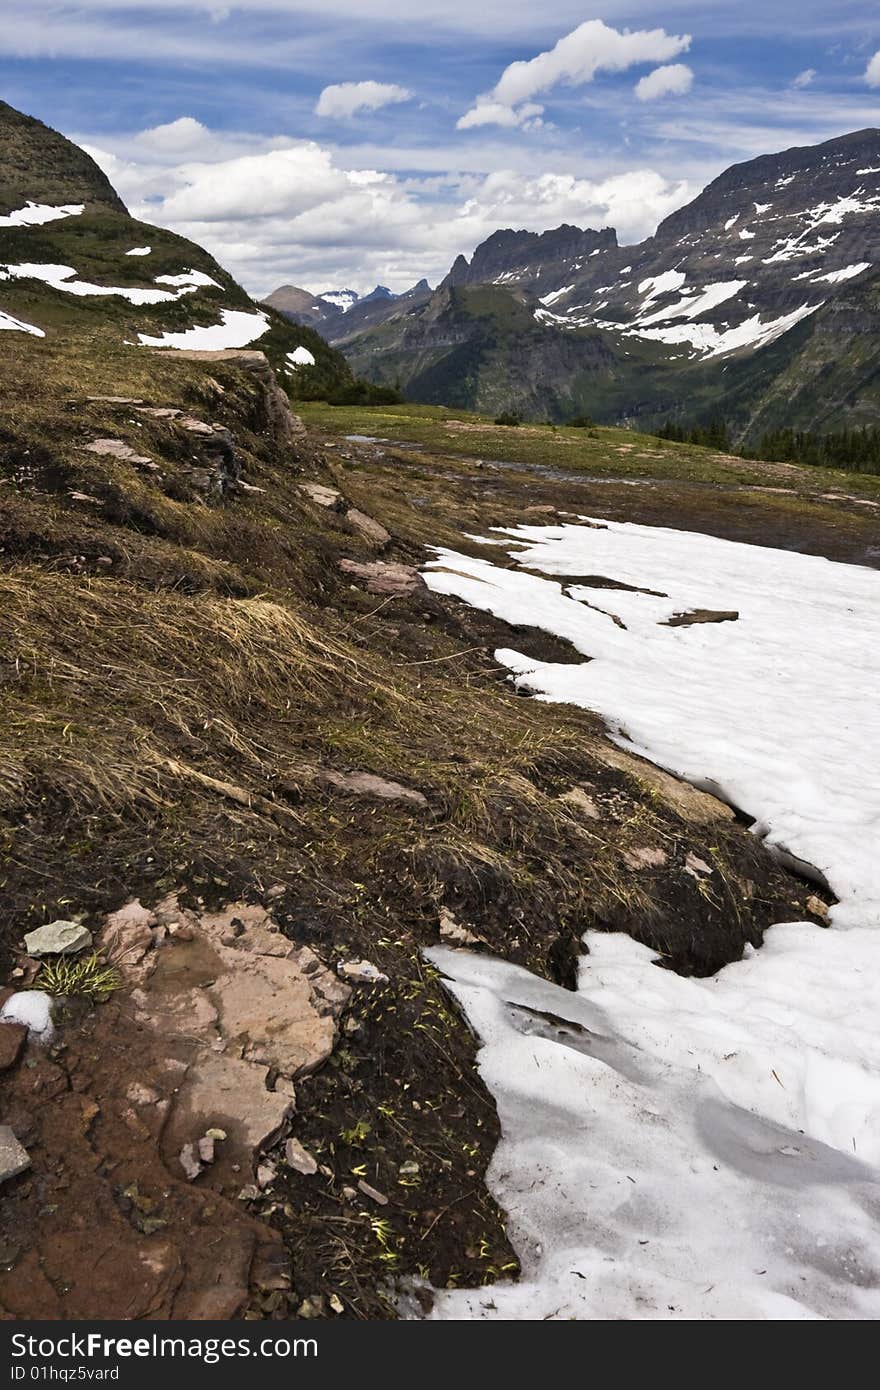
(299, 1158)
(58, 939)
(368, 784)
(378, 1197)
(189, 1163)
(206, 1149)
(13, 1158)
(362, 972)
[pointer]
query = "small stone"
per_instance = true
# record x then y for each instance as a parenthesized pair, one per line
(349, 1193)
(139, 1094)
(371, 1192)
(336, 1303)
(58, 939)
(323, 496)
(696, 867)
(362, 972)
(13, 1037)
(189, 1163)
(584, 803)
(409, 1170)
(249, 1193)
(216, 1134)
(311, 1307)
(370, 529)
(13, 1157)
(206, 1149)
(351, 1027)
(817, 907)
(299, 1158)
(266, 1174)
(645, 857)
(453, 932)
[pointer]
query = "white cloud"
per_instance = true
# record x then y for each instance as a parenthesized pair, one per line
(674, 79)
(495, 113)
(592, 47)
(872, 73)
(343, 99)
(804, 78)
(279, 210)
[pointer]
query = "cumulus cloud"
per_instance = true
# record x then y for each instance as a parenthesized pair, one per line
(276, 210)
(872, 72)
(804, 78)
(673, 79)
(593, 47)
(496, 113)
(344, 99)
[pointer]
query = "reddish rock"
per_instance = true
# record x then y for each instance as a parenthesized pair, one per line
(13, 1037)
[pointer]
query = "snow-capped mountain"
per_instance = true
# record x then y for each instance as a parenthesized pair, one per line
(760, 257)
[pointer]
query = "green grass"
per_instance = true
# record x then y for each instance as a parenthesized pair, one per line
(605, 452)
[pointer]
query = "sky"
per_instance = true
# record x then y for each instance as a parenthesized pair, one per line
(349, 143)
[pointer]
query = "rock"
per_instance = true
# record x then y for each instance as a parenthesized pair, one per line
(312, 1307)
(374, 1196)
(13, 1157)
(362, 973)
(218, 1135)
(160, 412)
(206, 1149)
(645, 857)
(299, 1158)
(323, 496)
(336, 1303)
(696, 867)
(580, 799)
(371, 530)
(266, 1174)
(139, 1094)
(409, 1170)
(117, 400)
(189, 1163)
(817, 907)
(194, 426)
(13, 1037)
(117, 449)
(368, 784)
(453, 933)
(692, 804)
(58, 939)
(385, 577)
(33, 1008)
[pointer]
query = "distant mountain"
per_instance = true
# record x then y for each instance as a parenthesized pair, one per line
(770, 246)
(342, 314)
(72, 262)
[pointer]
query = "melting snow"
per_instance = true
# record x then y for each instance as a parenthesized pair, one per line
(19, 326)
(139, 251)
(691, 307)
(834, 277)
(678, 1148)
(557, 294)
(35, 214)
(60, 277)
(667, 283)
(237, 328)
(300, 357)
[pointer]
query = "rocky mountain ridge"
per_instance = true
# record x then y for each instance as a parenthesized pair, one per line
(771, 244)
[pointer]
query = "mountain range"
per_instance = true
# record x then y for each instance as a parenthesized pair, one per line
(759, 301)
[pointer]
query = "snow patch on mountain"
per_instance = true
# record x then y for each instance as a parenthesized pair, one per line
(237, 328)
(37, 214)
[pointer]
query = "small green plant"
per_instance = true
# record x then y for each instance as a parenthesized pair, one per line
(90, 977)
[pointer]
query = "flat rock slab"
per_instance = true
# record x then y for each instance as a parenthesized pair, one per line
(385, 576)
(13, 1157)
(321, 495)
(368, 784)
(693, 805)
(58, 939)
(117, 449)
(369, 528)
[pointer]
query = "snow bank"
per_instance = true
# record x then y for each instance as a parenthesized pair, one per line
(237, 328)
(697, 1148)
(61, 277)
(300, 357)
(35, 214)
(139, 251)
(19, 326)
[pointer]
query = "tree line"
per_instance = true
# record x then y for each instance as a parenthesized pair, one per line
(856, 449)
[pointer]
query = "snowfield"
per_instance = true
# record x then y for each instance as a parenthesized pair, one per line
(37, 214)
(697, 1148)
(237, 328)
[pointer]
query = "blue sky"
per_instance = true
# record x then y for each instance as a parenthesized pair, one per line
(356, 141)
